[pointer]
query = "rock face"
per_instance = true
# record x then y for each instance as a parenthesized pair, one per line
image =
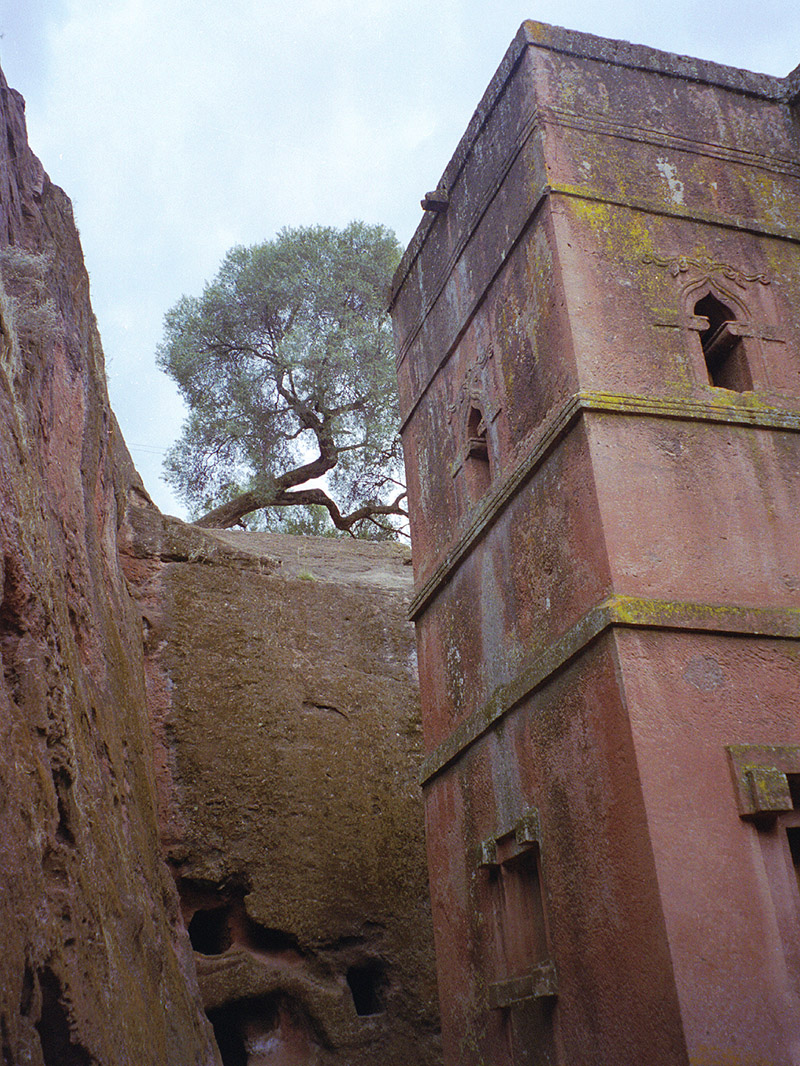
(95, 966)
(282, 677)
(244, 707)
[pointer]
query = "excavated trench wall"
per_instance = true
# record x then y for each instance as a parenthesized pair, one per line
(208, 745)
(282, 683)
(95, 966)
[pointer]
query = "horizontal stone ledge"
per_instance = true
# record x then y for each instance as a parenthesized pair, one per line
(745, 412)
(741, 223)
(622, 611)
(608, 126)
(641, 57)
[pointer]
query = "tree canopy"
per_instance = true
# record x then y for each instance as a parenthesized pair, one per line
(286, 364)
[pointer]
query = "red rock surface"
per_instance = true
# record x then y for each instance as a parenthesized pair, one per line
(95, 965)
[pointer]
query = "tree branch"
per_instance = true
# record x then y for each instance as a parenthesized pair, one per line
(343, 522)
(229, 514)
(232, 512)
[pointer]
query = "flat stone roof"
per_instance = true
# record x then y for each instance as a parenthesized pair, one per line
(340, 560)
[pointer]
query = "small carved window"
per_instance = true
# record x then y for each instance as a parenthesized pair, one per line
(793, 835)
(209, 931)
(523, 941)
(723, 346)
(478, 467)
(520, 953)
(766, 780)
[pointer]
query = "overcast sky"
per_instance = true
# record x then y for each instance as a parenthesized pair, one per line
(181, 127)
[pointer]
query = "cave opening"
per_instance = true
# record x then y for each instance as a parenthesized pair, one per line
(209, 931)
(367, 983)
(53, 1026)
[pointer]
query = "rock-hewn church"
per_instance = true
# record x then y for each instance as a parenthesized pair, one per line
(599, 366)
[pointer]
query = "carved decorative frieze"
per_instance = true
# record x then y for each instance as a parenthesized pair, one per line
(706, 267)
(473, 389)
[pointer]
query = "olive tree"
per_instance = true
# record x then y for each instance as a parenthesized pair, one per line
(286, 365)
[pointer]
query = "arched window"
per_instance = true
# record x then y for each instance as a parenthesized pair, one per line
(723, 346)
(477, 463)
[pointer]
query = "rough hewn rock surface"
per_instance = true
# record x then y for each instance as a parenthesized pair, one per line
(243, 705)
(95, 966)
(282, 677)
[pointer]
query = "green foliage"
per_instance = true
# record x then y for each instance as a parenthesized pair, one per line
(286, 364)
